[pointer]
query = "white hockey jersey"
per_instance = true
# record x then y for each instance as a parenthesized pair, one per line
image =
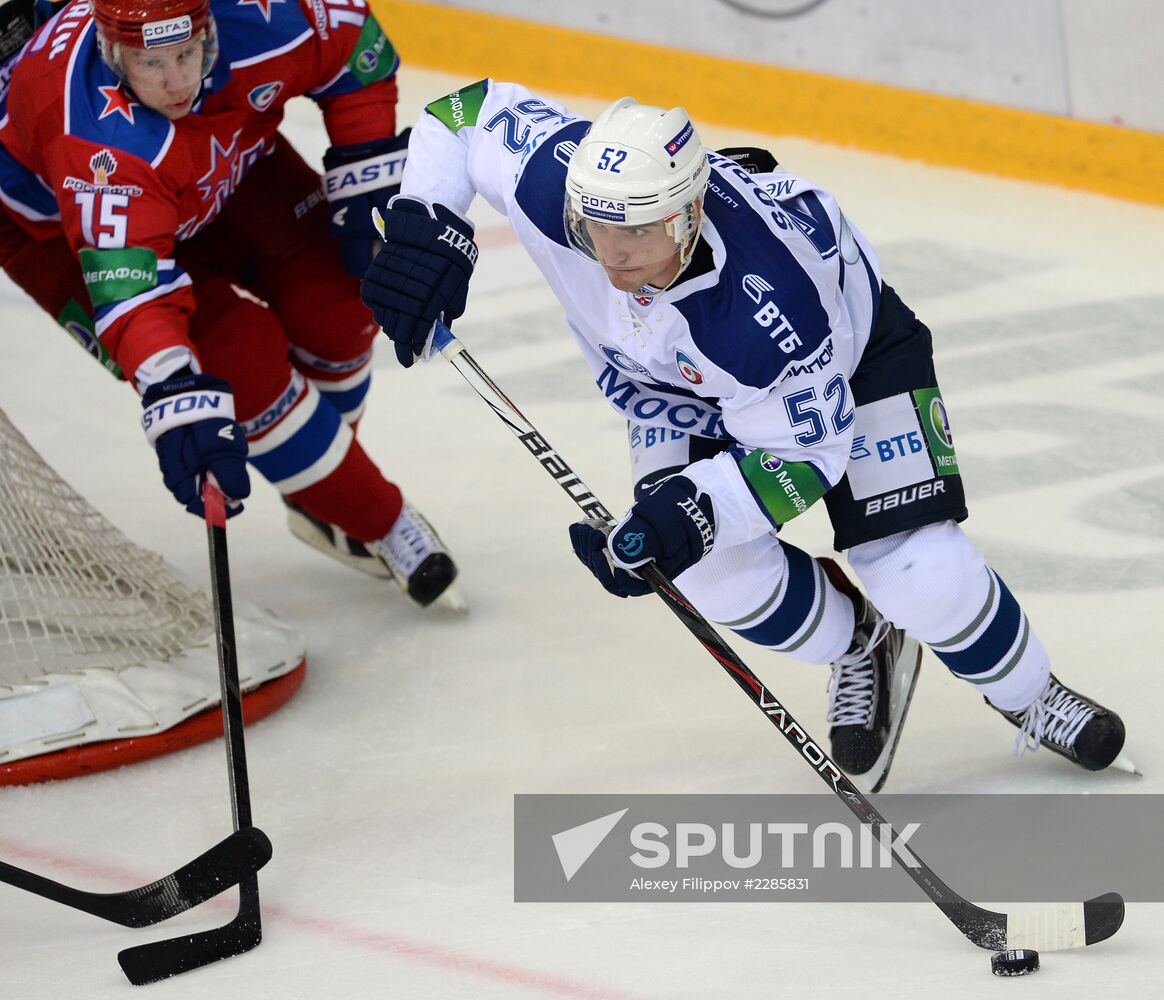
(757, 349)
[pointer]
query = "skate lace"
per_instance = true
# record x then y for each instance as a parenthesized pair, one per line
(1057, 715)
(851, 682)
(410, 541)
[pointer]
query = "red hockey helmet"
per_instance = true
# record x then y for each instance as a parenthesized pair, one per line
(144, 24)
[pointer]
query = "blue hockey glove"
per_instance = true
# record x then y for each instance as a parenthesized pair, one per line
(673, 525)
(356, 180)
(190, 421)
(589, 541)
(420, 275)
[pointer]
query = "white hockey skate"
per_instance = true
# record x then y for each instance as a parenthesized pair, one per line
(411, 553)
(1072, 726)
(869, 694)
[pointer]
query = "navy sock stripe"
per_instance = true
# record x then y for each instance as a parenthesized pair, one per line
(994, 642)
(820, 606)
(1010, 664)
(803, 594)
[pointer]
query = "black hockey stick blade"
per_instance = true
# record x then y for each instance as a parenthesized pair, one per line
(158, 960)
(227, 863)
(1052, 927)
(1102, 916)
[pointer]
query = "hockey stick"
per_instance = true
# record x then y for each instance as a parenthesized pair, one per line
(1049, 928)
(227, 863)
(148, 963)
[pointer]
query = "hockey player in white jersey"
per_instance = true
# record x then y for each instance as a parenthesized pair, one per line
(739, 322)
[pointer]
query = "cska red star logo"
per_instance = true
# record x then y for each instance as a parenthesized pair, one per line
(216, 184)
(263, 5)
(117, 102)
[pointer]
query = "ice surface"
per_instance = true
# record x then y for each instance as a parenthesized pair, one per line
(387, 785)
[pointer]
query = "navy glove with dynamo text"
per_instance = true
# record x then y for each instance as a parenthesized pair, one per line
(673, 526)
(189, 419)
(420, 275)
(356, 179)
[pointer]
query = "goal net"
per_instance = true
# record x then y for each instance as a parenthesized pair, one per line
(107, 656)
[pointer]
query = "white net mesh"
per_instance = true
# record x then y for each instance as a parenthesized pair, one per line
(101, 639)
(75, 593)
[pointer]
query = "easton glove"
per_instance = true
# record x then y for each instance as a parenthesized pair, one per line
(673, 526)
(190, 421)
(357, 179)
(420, 275)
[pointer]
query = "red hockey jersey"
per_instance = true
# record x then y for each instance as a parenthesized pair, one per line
(78, 152)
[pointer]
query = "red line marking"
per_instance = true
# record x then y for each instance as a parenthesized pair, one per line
(377, 942)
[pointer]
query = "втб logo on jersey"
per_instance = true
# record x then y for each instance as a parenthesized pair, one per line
(564, 150)
(756, 287)
(769, 314)
(262, 97)
(620, 360)
(688, 368)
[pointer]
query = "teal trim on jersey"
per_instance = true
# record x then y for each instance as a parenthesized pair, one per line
(784, 489)
(374, 57)
(461, 107)
(74, 318)
(931, 412)
(116, 275)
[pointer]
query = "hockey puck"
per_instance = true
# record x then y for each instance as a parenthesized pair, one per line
(1015, 963)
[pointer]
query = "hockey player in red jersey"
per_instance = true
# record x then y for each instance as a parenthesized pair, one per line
(138, 139)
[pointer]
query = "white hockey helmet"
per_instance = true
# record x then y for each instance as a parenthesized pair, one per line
(636, 165)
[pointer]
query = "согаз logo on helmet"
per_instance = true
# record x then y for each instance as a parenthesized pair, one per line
(598, 207)
(176, 29)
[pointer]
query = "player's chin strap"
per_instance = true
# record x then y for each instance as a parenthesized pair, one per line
(687, 249)
(1035, 928)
